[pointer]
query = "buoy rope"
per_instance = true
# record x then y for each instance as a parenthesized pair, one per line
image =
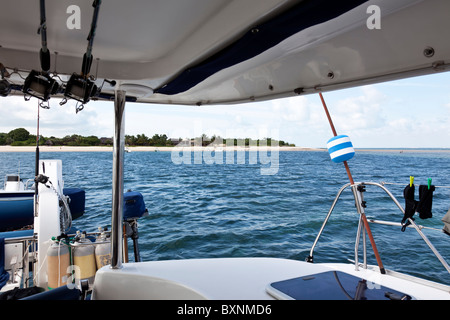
(363, 216)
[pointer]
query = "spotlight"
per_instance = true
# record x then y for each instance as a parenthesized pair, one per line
(40, 85)
(80, 88)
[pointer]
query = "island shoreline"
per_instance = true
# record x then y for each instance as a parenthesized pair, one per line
(197, 148)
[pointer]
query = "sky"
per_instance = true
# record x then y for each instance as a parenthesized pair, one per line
(409, 113)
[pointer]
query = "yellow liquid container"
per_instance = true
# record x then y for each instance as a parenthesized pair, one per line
(83, 252)
(102, 251)
(58, 262)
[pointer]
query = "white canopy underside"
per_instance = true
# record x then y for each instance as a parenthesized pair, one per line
(144, 45)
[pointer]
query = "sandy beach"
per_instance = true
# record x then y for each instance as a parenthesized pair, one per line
(168, 149)
(142, 149)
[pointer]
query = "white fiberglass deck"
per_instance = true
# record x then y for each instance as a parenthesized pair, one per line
(233, 279)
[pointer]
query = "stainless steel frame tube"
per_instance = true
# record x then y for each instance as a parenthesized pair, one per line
(117, 183)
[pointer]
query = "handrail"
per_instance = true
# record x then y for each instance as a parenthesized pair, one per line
(310, 257)
(27, 251)
(398, 224)
(361, 226)
(34, 237)
(26, 184)
(19, 239)
(430, 245)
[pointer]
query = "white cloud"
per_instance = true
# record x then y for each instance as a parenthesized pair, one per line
(292, 109)
(15, 112)
(57, 121)
(363, 112)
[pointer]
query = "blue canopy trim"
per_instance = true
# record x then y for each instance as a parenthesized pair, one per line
(261, 38)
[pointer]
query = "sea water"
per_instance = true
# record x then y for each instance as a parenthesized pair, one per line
(207, 209)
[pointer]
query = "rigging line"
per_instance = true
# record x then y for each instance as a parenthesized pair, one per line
(364, 219)
(15, 71)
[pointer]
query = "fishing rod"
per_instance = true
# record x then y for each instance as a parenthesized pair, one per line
(79, 87)
(355, 192)
(44, 53)
(39, 84)
(36, 165)
(87, 58)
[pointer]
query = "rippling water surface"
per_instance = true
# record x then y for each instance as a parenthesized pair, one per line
(232, 210)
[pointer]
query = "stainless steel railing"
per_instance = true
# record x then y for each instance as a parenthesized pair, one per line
(22, 265)
(361, 229)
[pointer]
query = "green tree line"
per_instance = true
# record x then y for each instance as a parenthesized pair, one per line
(205, 141)
(21, 137)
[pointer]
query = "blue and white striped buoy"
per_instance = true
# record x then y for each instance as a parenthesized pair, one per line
(340, 148)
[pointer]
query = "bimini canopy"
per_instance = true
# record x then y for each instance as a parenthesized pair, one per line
(216, 51)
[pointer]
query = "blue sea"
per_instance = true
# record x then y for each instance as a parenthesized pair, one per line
(202, 208)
